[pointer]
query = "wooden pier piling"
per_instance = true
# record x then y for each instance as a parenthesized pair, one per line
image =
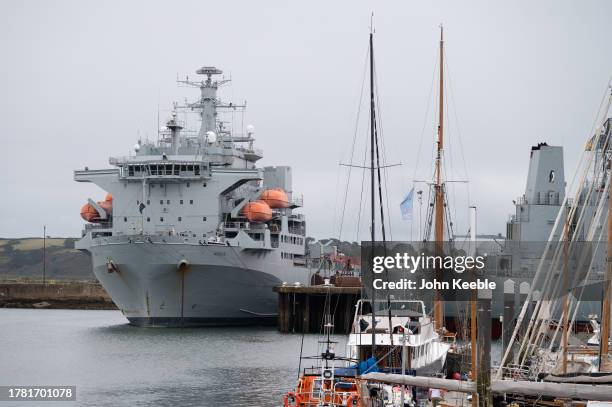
(302, 308)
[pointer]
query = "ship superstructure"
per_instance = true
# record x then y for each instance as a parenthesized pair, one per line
(192, 232)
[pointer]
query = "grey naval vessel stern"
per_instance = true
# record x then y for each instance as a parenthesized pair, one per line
(191, 231)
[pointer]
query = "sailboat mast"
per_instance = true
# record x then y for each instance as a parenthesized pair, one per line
(605, 314)
(439, 189)
(565, 323)
(372, 190)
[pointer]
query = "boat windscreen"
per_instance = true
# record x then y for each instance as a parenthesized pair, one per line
(400, 308)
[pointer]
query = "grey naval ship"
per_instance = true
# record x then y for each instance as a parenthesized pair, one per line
(191, 231)
(529, 229)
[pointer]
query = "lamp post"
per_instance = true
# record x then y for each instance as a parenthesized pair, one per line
(44, 253)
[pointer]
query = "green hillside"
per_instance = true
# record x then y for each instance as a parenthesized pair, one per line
(23, 259)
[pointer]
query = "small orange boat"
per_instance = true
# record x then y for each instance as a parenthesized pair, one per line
(326, 384)
(315, 390)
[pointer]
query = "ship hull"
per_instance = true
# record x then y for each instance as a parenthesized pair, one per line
(183, 285)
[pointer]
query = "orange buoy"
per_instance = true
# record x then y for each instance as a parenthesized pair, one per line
(275, 198)
(257, 211)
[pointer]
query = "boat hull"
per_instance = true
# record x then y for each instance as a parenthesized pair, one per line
(184, 285)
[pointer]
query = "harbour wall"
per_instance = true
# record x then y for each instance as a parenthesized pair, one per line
(64, 295)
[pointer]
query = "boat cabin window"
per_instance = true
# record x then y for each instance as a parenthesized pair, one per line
(316, 388)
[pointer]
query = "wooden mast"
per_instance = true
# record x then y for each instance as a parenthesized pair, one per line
(439, 189)
(565, 323)
(605, 313)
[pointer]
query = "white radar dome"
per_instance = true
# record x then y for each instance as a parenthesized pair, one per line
(137, 147)
(211, 137)
(250, 129)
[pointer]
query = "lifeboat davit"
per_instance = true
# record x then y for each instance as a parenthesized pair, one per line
(257, 211)
(90, 214)
(275, 198)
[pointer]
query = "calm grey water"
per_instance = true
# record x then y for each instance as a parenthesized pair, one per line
(114, 364)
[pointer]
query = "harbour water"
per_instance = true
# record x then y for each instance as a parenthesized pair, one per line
(113, 363)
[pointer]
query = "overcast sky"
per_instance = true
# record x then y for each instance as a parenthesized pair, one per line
(81, 81)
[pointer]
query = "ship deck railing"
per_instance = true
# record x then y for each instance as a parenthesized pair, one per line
(243, 225)
(297, 231)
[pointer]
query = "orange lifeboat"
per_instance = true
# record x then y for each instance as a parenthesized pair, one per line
(90, 214)
(275, 198)
(257, 211)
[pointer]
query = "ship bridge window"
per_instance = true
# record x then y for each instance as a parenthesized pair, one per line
(196, 170)
(161, 219)
(153, 169)
(168, 169)
(181, 201)
(168, 201)
(183, 168)
(191, 202)
(190, 168)
(204, 219)
(176, 170)
(180, 219)
(130, 170)
(161, 201)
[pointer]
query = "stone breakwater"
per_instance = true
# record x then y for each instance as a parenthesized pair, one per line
(58, 295)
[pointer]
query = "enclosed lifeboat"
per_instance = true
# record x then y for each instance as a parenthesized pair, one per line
(90, 214)
(275, 198)
(257, 211)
